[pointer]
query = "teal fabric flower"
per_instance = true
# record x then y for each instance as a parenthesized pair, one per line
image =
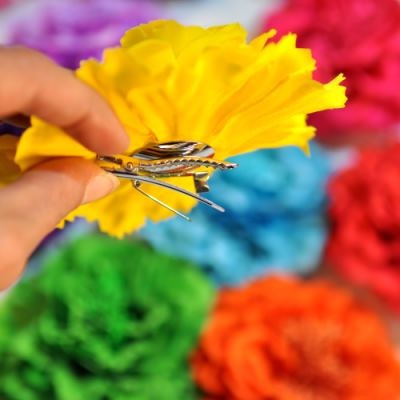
(274, 221)
(107, 320)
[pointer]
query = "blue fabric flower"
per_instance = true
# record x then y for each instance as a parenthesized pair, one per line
(274, 220)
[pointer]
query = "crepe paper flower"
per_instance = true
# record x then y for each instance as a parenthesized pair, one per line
(9, 170)
(105, 319)
(168, 82)
(360, 38)
(365, 219)
(291, 340)
(73, 30)
(275, 219)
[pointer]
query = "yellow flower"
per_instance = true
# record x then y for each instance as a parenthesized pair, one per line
(168, 82)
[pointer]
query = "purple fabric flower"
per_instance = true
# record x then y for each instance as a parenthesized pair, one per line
(72, 30)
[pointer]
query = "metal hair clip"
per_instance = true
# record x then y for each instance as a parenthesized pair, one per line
(173, 159)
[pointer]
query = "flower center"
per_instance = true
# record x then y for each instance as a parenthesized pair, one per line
(321, 372)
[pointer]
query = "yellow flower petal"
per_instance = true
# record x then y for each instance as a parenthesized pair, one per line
(185, 40)
(168, 82)
(127, 209)
(42, 141)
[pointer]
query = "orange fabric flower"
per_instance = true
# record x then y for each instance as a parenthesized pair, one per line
(284, 339)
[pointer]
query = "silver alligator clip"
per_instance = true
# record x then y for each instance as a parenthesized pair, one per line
(165, 160)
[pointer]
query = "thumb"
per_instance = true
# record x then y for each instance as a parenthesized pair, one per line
(32, 206)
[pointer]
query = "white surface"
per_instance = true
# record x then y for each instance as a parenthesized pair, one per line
(214, 12)
(190, 12)
(9, 14)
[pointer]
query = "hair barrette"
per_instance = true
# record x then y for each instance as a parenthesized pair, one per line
(165, 160)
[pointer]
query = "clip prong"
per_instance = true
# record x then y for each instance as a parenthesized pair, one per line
(166, 185)
(136, 185)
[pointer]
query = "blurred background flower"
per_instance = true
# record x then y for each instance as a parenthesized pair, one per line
(73, 30)
(106, 319)
(274, 220)
(360, 38)
(285, 339)
(5, 3)
(364, 242)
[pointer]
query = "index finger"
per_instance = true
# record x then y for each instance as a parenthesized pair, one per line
(32, 84)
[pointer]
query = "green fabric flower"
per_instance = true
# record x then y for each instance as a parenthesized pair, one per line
(107, 319)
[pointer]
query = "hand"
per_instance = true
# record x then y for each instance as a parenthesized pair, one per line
(31, 84)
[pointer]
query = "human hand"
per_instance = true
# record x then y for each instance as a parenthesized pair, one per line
(31, 84)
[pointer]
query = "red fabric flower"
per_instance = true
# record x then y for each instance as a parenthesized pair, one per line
(283, 339)
(365, 212)
(360, 38)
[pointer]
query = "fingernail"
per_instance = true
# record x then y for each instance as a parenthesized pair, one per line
(100, 186)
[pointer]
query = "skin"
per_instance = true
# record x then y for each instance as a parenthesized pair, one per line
(31, 84)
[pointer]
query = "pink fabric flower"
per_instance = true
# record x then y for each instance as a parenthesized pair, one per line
(360, 38)
(4, 3)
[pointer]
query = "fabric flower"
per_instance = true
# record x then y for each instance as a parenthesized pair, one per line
(5, 3)
(169, 82)
(106, 319)
(72, 30)
(275, 204)
(365, 218)
(360, 38)
(290, 340)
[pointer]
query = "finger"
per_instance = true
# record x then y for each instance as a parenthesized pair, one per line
(31, 84)
(31, 207)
